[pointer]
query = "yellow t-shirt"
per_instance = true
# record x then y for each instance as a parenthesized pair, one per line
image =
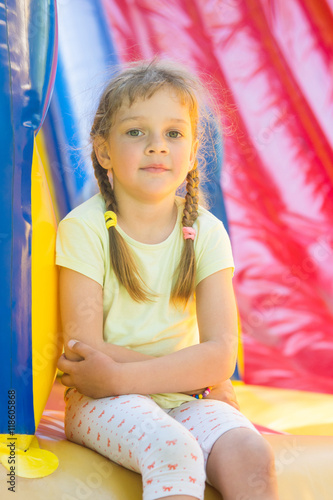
(156, 328)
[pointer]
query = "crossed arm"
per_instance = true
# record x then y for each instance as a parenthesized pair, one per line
(106, 369)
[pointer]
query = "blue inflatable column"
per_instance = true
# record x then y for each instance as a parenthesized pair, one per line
(27, 70)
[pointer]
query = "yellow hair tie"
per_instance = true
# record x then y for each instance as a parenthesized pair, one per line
(110, 219)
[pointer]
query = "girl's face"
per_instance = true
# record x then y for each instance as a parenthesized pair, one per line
(150, 148)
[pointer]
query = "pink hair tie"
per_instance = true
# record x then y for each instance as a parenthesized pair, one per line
(189, 233)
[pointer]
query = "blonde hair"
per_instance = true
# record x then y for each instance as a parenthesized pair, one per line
(141, 80)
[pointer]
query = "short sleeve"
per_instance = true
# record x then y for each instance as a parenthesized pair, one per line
(214, 252)
(79, 247)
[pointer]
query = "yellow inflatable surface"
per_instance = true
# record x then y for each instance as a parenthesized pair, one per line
(285, 410)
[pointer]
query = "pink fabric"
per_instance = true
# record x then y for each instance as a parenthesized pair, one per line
(272, 61)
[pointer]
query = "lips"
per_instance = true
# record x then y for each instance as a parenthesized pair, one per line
(155, 167)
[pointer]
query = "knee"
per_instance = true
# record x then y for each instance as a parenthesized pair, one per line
(257, 464)
(242, 460)
(254, 452)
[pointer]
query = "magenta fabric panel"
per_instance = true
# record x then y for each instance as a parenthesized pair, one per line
(275, 60)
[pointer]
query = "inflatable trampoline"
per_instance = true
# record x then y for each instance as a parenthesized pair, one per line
(272, 175)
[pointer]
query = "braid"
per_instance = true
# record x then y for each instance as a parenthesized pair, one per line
(191, 197)
(122, 260)
(185, 284)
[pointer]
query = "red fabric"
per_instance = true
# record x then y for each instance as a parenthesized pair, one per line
(275, 58)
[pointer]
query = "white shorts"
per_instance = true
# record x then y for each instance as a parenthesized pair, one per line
(169, 448)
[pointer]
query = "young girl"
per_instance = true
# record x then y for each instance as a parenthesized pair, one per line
(147, 303)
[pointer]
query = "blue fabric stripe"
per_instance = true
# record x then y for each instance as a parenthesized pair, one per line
(16, 210)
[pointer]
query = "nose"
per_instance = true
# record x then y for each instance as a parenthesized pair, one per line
(156, 144)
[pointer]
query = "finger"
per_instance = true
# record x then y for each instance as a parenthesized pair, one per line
(80, 348)
(65, 365)
(66, 380)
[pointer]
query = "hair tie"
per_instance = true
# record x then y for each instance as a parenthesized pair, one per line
(110, 219)
(189, 233)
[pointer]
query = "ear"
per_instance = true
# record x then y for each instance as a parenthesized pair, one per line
(102, 152)
(193, 153)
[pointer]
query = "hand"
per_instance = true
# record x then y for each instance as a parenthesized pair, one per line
(225, 392)
(96, 375)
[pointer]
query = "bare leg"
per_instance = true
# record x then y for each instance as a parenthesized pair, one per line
(241, 466)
